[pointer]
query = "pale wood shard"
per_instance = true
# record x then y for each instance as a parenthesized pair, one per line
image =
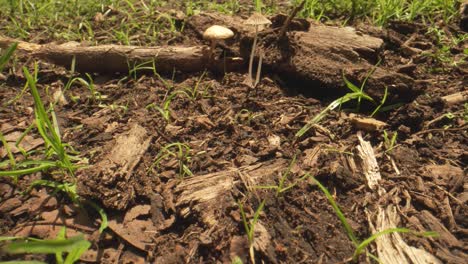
(207, 194)
(456, 98)
(369, 165)
(109, 178)
(391, 248)
(366, 123)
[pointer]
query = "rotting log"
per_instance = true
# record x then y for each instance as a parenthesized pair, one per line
(109, 179)
(322, 55)
(207, 195)
(121, 59)
(317, 56)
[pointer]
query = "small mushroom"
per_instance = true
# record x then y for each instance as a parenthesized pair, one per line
(259, 22)
(216, 33)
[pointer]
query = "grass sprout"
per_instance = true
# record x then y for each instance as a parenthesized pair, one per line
(250, 226)
(280, 188)
(49, 129)
(133, 71)
(95, 95)
(165, 108)
(333, 105)
(193, 93)
(24, 168)
(357, 93)
(57, 153)
(363, 245)
(176, 150)
(389, 143)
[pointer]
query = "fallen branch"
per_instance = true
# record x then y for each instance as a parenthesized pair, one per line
(117, 58)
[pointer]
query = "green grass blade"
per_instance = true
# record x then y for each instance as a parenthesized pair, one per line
(295, 183)
(102, 213)
(338, 212)
(61, 235)
(372, 238)
(75, 254)
(4, 58)
(382, 102)
(8, 150)
(244, 220)
(285, 175)
(51, 246)
(16, 173)
(324, 112)
(257, 212)
(350, 85)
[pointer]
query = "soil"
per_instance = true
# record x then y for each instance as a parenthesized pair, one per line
(235, 139)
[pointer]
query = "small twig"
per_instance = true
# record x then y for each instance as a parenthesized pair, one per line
(441, 130)
(289, 19)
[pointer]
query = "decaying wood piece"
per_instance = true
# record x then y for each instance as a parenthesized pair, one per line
(110, 178)
(456, 98)
(391, 248)
(369, 165)
(366, 123)
(118, 58)
(207, 194)
(323, 54)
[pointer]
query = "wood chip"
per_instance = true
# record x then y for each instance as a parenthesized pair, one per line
(366, 123)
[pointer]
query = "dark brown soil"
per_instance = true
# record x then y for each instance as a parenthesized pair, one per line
(229, 126)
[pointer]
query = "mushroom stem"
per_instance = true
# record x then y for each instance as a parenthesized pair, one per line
(259, 69)
(212, 48)
(252, 53)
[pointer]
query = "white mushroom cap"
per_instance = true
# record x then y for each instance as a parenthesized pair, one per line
(257, 19)
(216, 32)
